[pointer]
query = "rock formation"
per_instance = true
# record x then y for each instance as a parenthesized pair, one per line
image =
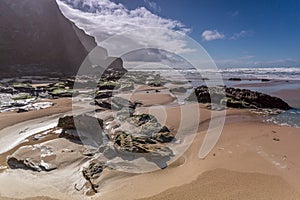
(237, 98)
(36, 39)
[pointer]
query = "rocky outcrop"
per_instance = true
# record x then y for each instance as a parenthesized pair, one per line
(236, 98)
(37, 39)
(30, 158)
(80, 127)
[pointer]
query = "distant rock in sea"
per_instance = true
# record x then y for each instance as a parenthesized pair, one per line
(37, 39)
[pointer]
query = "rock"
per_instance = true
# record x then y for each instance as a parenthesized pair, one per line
(103, 94)
(127, 142)
(164, 135)
(66, 122)
(155, 83)
(37, 137)
(92, 172)
(118, 103)
(46, 166)
(276, 139)
(107, 85)
(234, 79)
(265, 80)
(236, 98)
(25, 88)
(27, 163)
(178, 90)
(103, 104)
(8, 90)
(125, 87)
(42, 41)
(86, 127)
(63, 93)
(30, 158)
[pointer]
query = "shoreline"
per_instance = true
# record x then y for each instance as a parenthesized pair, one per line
(246, 149)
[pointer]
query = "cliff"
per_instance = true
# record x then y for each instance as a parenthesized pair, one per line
(37, 39)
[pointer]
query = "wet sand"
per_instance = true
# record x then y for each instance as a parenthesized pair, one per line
(11, 118)
(251, 160)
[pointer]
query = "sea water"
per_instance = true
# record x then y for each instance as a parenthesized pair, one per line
(288, 118)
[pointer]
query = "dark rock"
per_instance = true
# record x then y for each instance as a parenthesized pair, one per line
(103, 94)
(84, 122)
(156, 83)
(276, 139)
(236, 98)
(118, 103)
(92, 172)
(29, 164)
(178, 90)
(66, 122)
(234, 79)
(25, 88)
(8, 90)
(107, 85)
(103, 104)
(265, 80)
(38, 39)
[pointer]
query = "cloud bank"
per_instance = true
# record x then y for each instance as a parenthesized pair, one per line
(104, 18)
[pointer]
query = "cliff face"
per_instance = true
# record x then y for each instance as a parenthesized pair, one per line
(36, 39)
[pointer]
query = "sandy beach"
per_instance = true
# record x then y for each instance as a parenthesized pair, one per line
(251, 160)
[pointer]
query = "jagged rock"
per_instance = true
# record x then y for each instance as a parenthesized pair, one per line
(164, 135)
(63, 93)
(92, 172)
(103, 104)
(25, 88)
(107, 85)
(103, 94)
(66, 122)
(236, 98)
(30, 158)
(27, 163)
(127, 142)
(155, 83)
(81, 127)
(38, 39)
(8, 90)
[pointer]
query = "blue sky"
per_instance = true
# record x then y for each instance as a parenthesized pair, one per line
(235, 33)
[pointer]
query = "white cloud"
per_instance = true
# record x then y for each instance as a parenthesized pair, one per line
(243, 33)
(105, 18)
(153, 5)
(209, 35)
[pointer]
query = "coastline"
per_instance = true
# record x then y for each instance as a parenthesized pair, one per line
(246, 151)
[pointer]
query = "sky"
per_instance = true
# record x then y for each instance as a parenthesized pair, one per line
(235, 33)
